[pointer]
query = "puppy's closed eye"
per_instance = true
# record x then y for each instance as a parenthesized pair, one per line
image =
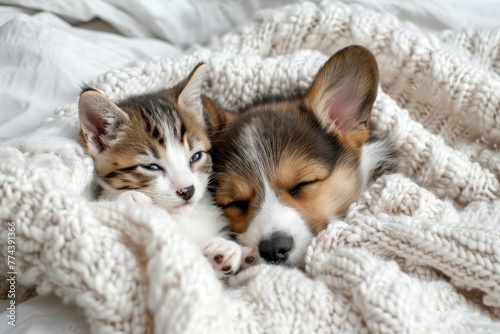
(297, 188)
(240, 205)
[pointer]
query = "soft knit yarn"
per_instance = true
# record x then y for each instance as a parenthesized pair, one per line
(419, 252)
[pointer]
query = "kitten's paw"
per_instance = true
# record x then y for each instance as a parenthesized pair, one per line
(136, 197)
(224, 256)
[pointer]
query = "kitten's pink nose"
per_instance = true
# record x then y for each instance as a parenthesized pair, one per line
(186, 193)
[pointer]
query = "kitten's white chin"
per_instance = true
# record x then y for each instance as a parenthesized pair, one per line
(180, 208)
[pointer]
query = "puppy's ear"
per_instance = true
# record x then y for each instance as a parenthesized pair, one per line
(189, 91)
(100, 120)
(343, 92)
(217, 119)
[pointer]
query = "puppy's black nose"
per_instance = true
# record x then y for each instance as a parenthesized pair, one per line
(186, 193)
(276, 247)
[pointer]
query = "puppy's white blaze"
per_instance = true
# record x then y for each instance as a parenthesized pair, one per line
(249, 144)
(274, 216)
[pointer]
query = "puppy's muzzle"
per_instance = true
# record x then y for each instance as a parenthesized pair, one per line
(276, 248)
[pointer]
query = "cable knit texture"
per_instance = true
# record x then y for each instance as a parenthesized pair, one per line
(419, 252)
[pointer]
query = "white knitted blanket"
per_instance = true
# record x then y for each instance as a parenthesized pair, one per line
(418, 252)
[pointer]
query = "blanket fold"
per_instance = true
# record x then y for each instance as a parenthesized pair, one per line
(418, 252)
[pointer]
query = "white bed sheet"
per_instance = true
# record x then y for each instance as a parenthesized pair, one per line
(47, 49)
(44, 60)
(46, 54)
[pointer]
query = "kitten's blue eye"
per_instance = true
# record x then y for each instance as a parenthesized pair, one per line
(195, 157)
(152, 167)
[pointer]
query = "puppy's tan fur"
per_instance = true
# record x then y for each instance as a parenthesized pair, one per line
(308, 151)
(338, 187)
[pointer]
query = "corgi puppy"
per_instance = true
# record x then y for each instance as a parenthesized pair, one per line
(153, 148)
(285, 167)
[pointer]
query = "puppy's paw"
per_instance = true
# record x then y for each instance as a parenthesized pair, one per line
(136, 197)
(224, 256)
(248, 257)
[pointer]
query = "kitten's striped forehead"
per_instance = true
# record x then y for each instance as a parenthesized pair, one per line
(162, 119)
(160, 132)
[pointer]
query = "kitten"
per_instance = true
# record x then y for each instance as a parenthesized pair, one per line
(152, 148)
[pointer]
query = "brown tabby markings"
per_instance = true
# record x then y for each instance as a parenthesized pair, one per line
(154, 119)
(143, 141)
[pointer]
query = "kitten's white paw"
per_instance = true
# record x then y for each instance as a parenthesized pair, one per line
(224, 255)
(136, 197)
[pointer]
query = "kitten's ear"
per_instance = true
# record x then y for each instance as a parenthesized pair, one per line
(343, 92)
(190, 95)
(100, 118)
